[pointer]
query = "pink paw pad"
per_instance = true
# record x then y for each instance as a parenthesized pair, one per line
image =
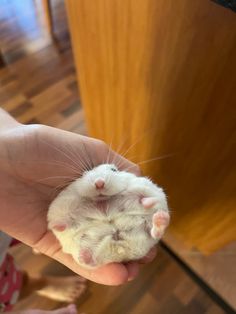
(59, 227)
(160, 221)
(149, 202)
(86, 257)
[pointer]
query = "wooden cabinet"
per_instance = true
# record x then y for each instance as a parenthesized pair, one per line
(158, 78)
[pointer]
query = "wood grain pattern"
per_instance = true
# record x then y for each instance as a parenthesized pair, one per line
(216, 270)
(160, 77)
(163, 287)
(37, 77)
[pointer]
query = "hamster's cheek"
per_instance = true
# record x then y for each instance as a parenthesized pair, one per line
(116, 185)
(85, 188)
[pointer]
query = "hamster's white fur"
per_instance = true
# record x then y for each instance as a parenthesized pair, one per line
(117, 221)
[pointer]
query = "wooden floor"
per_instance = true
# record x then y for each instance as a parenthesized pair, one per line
(38, 85)
(163, 287)
(216, 270)
(37, 75)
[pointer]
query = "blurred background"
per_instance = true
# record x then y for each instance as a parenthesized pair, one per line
(157, 80)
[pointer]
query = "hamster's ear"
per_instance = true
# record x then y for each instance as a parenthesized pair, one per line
(58, 226)
(86, 257)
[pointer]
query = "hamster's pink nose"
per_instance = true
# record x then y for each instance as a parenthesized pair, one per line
(99, 183)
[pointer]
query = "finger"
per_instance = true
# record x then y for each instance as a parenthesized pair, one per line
(112, 274)
(149, 257)
(133, 270)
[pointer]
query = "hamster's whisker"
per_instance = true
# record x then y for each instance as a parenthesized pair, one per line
(76, 156)
(109, 153)
(119, 148)
(114, 159)
(61, 186)
(60, 151)
(119, 163)
(130, 167)
(110, 148)
(83, 158)
(90, 161)
(61, 164)
(124, 154)
(127, 137)
(133, 157)
(149, 160)
(156, 158)
(82, 162)
(116, 156)
(56, 177)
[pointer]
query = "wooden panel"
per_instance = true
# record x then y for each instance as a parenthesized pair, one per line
(159, 76)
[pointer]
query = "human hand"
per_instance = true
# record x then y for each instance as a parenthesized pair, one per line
(35, 161)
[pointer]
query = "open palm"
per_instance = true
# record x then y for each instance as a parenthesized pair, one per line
(35, 163)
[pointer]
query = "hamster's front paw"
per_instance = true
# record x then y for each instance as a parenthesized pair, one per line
(149, 202)
(59, 226)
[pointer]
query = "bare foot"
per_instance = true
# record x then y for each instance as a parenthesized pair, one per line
(70, 309)
(64, 289)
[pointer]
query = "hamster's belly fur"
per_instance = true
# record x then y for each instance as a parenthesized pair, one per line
(114, 228)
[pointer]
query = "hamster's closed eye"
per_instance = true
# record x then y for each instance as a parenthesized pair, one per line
(90, 208)
(114, 169)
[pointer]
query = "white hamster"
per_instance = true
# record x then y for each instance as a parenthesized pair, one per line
(108, 216)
